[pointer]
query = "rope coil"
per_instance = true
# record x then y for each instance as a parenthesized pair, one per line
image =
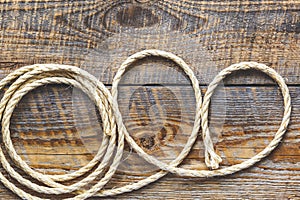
(109, 155)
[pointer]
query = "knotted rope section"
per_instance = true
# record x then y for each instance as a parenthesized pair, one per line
(109, 155)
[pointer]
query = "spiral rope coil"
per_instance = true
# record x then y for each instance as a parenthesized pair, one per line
(109, 155)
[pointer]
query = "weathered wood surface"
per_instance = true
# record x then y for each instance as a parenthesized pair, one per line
(56, 128)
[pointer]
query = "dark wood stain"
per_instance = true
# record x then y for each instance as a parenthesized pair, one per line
(136, 16)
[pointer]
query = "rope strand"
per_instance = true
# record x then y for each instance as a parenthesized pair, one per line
(110, 152)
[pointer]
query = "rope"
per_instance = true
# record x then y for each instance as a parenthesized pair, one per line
(109, 155)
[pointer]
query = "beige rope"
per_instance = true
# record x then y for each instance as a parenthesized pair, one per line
(28, 78)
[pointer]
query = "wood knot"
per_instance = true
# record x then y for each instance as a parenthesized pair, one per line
(156, 114)
(136, 16)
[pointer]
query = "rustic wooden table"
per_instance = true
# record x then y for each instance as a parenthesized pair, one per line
(57, 130)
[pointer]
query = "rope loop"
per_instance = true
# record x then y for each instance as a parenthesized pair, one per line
(109, 154)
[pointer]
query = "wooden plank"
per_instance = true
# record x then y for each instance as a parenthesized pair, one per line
(100, 35)
(243, 120)
(157, 101)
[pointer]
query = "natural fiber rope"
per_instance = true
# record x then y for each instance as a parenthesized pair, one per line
(103, 165)
(101, 97)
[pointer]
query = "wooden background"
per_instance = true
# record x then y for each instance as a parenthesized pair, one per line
(56, 128)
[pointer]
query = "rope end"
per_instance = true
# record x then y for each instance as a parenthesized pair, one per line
(213, 161)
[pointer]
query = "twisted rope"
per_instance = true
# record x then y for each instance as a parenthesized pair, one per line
(110, 152)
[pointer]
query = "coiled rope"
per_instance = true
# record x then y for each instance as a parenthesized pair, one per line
(109, 155)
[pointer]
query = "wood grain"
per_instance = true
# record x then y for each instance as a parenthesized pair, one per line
(56, 129)
(242, 126)
(100, 35)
